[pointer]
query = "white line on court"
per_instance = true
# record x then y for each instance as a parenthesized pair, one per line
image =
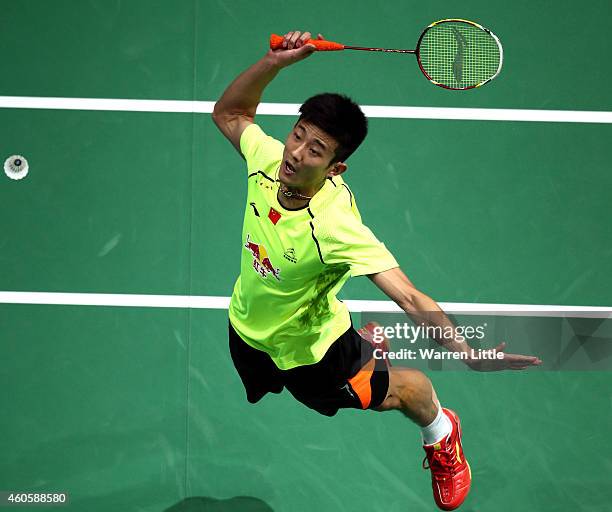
(291, 109)
(356, 306)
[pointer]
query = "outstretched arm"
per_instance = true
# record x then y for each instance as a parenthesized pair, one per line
(236, 108)
(424, 310)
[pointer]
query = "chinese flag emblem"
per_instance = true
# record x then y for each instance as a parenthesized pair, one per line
(274, 216)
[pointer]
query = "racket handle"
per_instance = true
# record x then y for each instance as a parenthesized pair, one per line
(276, 43)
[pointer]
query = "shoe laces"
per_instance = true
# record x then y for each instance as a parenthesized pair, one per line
(443, 463)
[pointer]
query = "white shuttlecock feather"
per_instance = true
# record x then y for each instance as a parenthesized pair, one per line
(16, 167)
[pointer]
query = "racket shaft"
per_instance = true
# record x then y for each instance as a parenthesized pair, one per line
(379, 49)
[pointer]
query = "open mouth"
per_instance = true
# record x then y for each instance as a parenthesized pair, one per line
(289, 169)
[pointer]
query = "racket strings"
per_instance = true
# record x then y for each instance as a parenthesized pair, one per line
(459, 55)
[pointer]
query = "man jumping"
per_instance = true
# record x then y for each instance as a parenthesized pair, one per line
(302, 238)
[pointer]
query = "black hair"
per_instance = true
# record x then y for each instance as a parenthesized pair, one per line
(338, 116)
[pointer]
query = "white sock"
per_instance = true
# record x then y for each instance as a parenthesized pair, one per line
(438, 429)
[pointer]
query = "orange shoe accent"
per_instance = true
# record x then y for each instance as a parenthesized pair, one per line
(361, 383)
(451, 476)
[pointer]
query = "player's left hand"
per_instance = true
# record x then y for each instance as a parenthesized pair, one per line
(508, 362)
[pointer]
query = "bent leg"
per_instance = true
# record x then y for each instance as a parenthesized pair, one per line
(410, 391)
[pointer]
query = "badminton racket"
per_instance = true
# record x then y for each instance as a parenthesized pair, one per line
(453, 53)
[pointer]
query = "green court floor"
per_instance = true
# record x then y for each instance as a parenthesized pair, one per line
(140, 408)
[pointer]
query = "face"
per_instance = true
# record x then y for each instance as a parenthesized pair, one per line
(307, 157)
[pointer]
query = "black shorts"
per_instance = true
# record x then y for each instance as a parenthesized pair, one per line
(348, 376)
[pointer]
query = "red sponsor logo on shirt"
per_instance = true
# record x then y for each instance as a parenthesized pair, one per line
(261, 260)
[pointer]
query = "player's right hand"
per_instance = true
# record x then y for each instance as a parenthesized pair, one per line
(294, 48)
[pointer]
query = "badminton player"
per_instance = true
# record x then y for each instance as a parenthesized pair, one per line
(302, 238)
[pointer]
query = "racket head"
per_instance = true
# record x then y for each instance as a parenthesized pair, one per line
(459, 54)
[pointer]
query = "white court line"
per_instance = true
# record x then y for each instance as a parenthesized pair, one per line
(355, 306)
(291, 109)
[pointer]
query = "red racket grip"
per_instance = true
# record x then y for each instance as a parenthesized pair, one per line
(276, 42)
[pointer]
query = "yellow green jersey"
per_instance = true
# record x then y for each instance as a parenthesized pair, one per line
(294, 262)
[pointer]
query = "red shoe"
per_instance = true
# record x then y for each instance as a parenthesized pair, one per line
(451, 475)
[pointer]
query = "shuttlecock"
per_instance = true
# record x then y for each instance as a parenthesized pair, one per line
(16, 167)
